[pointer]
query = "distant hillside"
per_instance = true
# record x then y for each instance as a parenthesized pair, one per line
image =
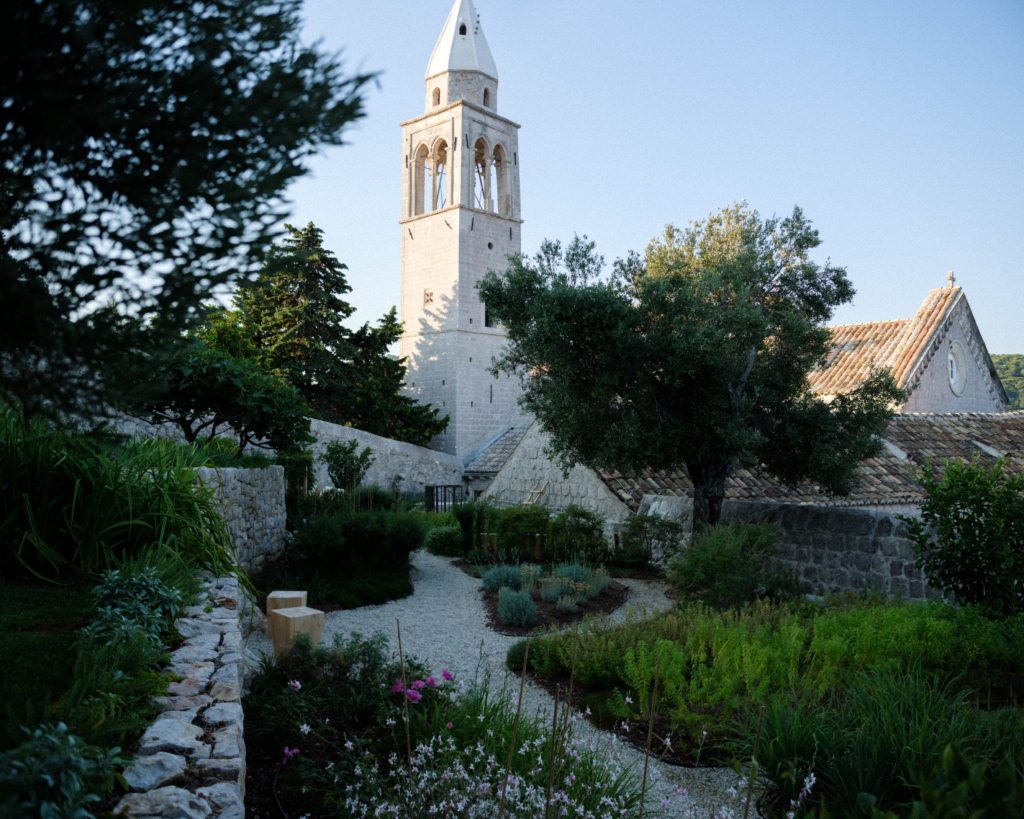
(1011, 371)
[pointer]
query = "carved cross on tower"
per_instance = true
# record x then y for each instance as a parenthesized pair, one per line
(950, 279)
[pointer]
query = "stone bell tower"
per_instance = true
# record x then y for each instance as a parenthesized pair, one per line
(460, 219)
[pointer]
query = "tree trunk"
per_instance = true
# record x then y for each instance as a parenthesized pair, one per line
(708, 492)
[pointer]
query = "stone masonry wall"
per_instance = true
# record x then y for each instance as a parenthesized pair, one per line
(190, 763)
(841, 549)
(414, 466)
(252, 505)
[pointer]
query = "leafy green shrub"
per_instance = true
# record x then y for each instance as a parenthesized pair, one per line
(499, 577)
(577, 534)
(445, 541)
(346, 464)
(643, 537)
(529, 575)
(731, 564)
(355, 539)
(55, 774)
(970, 536)
(374, 498)
(599, 581)
(472, 518)
(67, 506)
(134, 600)
(520, 529)
(516, 608)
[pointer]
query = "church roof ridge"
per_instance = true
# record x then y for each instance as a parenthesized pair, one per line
(462, 45)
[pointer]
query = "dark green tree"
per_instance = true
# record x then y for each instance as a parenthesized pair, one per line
(293, 317)
(207, 392)
(695, 356)
(1011, 372)
(144, 150)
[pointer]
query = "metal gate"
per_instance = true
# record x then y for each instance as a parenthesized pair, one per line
(443, 498)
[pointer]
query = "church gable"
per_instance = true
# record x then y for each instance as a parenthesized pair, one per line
(937, 355)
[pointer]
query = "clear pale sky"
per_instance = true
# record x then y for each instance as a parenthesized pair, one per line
(897, 126)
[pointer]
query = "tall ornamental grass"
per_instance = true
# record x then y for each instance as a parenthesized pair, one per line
(67, 506)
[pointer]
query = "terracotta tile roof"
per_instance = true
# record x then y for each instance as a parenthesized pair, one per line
(898, 345)
(888, 479)
(492, 457)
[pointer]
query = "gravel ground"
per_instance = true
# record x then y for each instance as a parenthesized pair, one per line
(444, 626)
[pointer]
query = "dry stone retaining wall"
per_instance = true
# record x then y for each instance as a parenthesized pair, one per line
(190, 763)
(252, 505)
(413, 466)
(842, 549)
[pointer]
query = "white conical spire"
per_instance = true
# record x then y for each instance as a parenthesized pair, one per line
(462, 45)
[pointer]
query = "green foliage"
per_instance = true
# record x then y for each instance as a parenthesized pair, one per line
(134, 600)
(349, 557)
(718, 664)
(66, 506)
(731, 564)
(1011, 372)
(520, 529)
(153, 166)
(875, 745)
(970, 536)
(376, 498)
(206, 392)
(346, 464)
(516, 608)
(577, 534)
(643, 537)
(54, 774)
(498, 577)
(696, 356)
(293, 316)
(445, 541)
(472, 517)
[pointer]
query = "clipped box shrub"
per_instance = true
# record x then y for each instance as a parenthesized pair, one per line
(516, 608)
(472, 518)
(445, 541)
(502, 577)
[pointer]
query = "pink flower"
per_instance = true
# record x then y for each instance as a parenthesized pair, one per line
(418, 685)
(431, 681)
(287, 754)
(450, 725)
(295, 685)
(413, 695)
(398, 687)
(448, 676)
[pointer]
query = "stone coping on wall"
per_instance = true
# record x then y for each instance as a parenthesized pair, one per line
(190, 762)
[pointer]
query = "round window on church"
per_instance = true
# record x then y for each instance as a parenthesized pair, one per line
(957, 368)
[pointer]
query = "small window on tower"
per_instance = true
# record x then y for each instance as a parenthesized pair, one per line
(487, 97)
(428, 296)
(462, 29)
(488, 318)
(437, 96)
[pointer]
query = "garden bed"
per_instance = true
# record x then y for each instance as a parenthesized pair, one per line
(549, 615)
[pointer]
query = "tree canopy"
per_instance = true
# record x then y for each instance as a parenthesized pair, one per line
(695, 355)
(144, 151)
(292, 319)
(1010, 368)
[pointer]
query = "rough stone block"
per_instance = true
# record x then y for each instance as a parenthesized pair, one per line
(283, 600)
(171, 802)
(287, 624)
(223, 714)
(174, 732)
(147, 773)
(226, 799)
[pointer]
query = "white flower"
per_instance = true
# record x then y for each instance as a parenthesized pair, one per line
(629, 700)
(349, 746)
(304, 729)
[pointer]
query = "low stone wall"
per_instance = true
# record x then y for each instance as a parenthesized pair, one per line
(252, 505)
(396, 463)
(191, 760)
(842, 549)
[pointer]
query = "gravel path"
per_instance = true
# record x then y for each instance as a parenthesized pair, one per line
(444, 626)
